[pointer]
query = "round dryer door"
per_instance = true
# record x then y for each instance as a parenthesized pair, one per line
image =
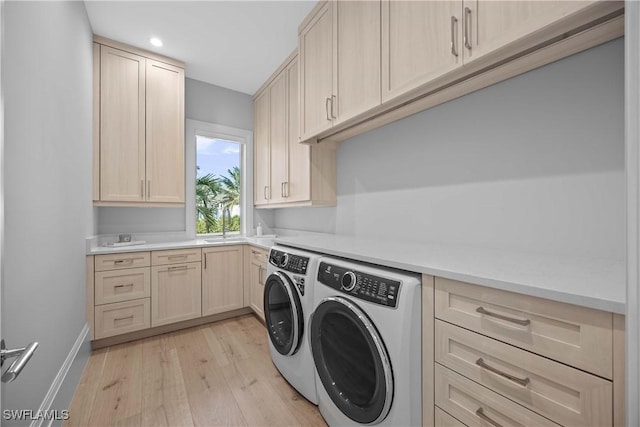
(283, 314)
(351, 360)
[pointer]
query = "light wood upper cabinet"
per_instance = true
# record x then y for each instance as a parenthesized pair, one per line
(262, 151)
(490, 25)
(278, 137)
(340, 61)
(316, 53)
(140, 143)
(122, 125)
(222, 279)
(165, 132)
(287, 173)
(358, 58)
(421, 40)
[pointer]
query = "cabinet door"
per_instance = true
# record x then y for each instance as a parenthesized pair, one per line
(258, 272)
(357, 74)
(261, 156)
(490, 25)
(297, 187)
(175, 293)
(165, 133)
(122, 126)
(421, 40)
(222, 284)
(278, 137)
(316, 73)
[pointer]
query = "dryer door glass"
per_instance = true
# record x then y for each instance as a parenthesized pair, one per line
(351, 360)
(283, 314)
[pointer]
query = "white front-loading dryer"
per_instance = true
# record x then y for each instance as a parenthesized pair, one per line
(366, 344)
(288, 303)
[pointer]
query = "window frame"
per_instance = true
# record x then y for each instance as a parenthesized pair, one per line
(195, 128)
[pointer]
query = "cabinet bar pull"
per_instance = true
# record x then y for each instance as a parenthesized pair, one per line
(333, 98)
(205, 260)
(177, 256)
(520, 381)
(122, 286)
(180, 267)
(467, 23)
(265, 192)
(122, 318)
(148, 189)
(523, 322)
(123, 261)
(481, 414)
(142, 188)
(454, 23)
(260, 270)
(326, 107)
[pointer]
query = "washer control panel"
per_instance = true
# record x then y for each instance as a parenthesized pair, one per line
(375, 289)
(286, 261)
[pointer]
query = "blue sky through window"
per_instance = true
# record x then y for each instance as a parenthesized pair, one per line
(216, 156)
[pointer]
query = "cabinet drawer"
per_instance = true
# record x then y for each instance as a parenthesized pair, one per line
(474, 404)
(177, 256)
(259, 255)
(122, 285)
(122, 317)
(125, 260)
(578, 336)
(445, 420)
(563, 394)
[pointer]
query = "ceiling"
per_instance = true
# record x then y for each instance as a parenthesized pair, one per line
(233, 44)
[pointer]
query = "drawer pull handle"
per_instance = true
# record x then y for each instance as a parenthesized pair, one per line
(177, 256)
(454, 24)
(123, 286)
(180, 267)
(117, 319)
(123, 261)
(520, 381)
(523, 322)
(481, 414)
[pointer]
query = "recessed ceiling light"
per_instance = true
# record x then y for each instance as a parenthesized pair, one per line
(155, 41)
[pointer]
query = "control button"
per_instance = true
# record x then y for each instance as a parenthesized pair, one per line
(284, 260)
(348, 281)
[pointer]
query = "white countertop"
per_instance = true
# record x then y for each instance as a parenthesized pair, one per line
(594, 283)
(263, 242)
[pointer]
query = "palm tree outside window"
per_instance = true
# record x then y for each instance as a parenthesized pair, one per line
(218, 183)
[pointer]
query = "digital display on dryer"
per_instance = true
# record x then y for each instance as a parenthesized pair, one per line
(375, 289)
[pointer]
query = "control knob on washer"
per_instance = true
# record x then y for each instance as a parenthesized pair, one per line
(348, 281)
(284, 260)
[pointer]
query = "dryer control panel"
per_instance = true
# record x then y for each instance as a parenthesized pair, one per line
(289, 262)
(375, 289)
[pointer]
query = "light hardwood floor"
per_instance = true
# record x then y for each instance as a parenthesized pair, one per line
(218, 374)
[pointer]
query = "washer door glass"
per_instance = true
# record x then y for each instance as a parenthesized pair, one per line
(351, 360)
(283, 314)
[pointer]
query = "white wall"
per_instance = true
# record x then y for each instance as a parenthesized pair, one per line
(535, 163)
(48, 212)
(204, 102)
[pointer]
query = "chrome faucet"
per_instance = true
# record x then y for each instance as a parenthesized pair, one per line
(224, 225)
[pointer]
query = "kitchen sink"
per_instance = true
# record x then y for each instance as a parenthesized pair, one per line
(225, 240)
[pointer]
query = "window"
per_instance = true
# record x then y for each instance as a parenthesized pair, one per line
(215, 149)
(218, 185)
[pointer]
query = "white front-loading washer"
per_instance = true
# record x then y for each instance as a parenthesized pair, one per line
(288, 303)
(366, 344)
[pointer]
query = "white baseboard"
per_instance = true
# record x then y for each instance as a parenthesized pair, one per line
(62, 374)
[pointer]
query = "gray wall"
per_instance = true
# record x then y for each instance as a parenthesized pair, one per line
(204, 102)
(48, 212)
(535, 163)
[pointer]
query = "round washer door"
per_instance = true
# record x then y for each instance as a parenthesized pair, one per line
(351, 360)
(283, 314)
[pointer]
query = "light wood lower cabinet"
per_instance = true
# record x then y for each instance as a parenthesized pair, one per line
(175, 293)
(258, 276)
(501, 358)
(222, 279)
(121, 318)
